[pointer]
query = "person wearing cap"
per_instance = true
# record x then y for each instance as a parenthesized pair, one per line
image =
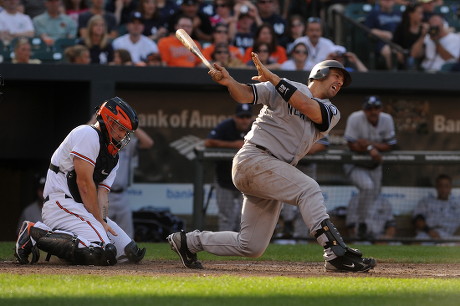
(370, 132)
(52, 24)
(202, 28)
(138, 45)
(33, 211)
(349, 60)
(229, 134)
(293, 117)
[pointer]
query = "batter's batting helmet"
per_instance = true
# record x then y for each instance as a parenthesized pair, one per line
(321, 70)
(112, 115)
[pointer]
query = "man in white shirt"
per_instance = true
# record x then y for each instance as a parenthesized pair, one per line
(13, 23)
(438, 46)
(138, 45)
(319, 47)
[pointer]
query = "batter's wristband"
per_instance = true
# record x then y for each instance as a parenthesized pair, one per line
(285, 90)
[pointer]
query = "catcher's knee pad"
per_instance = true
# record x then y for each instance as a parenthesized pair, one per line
(37, 233)
(133, 252)
(59, 244)
(334, 239)
(96, 256)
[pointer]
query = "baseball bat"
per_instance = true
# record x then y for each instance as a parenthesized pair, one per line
(188, 42)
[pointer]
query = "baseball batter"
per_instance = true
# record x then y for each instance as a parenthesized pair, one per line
(368, 131)
(75, 226)
(293, 117)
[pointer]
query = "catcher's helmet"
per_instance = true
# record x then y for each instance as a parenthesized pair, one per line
(112, 115)
(321, 70)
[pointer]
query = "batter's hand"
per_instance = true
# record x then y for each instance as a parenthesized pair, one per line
(108, 229)
(219, 74)
(264, 73)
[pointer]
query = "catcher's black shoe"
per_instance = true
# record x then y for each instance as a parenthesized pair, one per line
(352, 261)
(24, 245)
(178, 243)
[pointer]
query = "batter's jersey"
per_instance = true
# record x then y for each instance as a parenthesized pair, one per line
(283, 130)
(358, 127)
(440, 215)
(82, 142)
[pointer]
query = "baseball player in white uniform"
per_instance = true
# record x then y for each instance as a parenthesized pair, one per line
(368, 131)
(293, 117)
(75, 225)
(438, 217)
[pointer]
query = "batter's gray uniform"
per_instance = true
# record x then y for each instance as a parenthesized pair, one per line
(264, 171)
(441, 216)
(120, 210)
(367, 178)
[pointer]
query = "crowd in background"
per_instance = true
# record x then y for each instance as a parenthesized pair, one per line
(287, 34)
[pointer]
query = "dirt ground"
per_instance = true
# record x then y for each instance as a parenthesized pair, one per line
(236, 268)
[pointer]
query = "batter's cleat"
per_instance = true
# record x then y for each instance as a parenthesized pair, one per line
(178, 243)
(350, 262)
(24, 245)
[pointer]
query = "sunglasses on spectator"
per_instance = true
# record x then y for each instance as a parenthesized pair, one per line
(300, 51)
(263, 51)
(221, 31)
(265, 1)
(222, 5)
(314, 20)
(244, 116)
(221, 52)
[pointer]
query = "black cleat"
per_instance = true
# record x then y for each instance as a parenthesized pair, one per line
(350, 262)
(178, 243)
(24, 245)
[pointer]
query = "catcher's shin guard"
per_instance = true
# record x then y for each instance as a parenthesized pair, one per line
(334, 239)
(59, 244)
(96, 256)
(133, 252)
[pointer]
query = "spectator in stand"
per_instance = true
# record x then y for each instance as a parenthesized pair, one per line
(172, 52)
(349, 60)
(438, 47)
(22, 52)
(121, 57)
(220, 35)
(52, 24)
(32, 8)
(268, 14)
(155, 25)
(122, 9)
(264, 50)
(437, 217)
(13, 23)
(202, 28)
(73, 8)
(298, 58)
(97, 8)
(244, 36)
(428, 8)
(77, 54)
(381, 223)
(295, 29)
(382, 21)
(222, 56)
(97, 41)
(138, 45)
(167, 8)
(408, 32)
(266, 34)
(224, 14)
(319, 47)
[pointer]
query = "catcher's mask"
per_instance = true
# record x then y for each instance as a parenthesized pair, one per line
(321, 70)
(116, 118)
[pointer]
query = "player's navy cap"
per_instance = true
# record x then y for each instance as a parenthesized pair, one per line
(135, 16)
(243, 110)
(372, 101)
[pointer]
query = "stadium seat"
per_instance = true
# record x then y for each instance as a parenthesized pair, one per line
(48, 56)
(447, 66)
(36, 43)
(358, 11)
(62, 43)
(450, 13)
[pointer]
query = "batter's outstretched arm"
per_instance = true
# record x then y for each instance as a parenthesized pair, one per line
(298, 100)
(240, 92)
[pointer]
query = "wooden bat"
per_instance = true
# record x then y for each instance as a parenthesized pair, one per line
(188, 42)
